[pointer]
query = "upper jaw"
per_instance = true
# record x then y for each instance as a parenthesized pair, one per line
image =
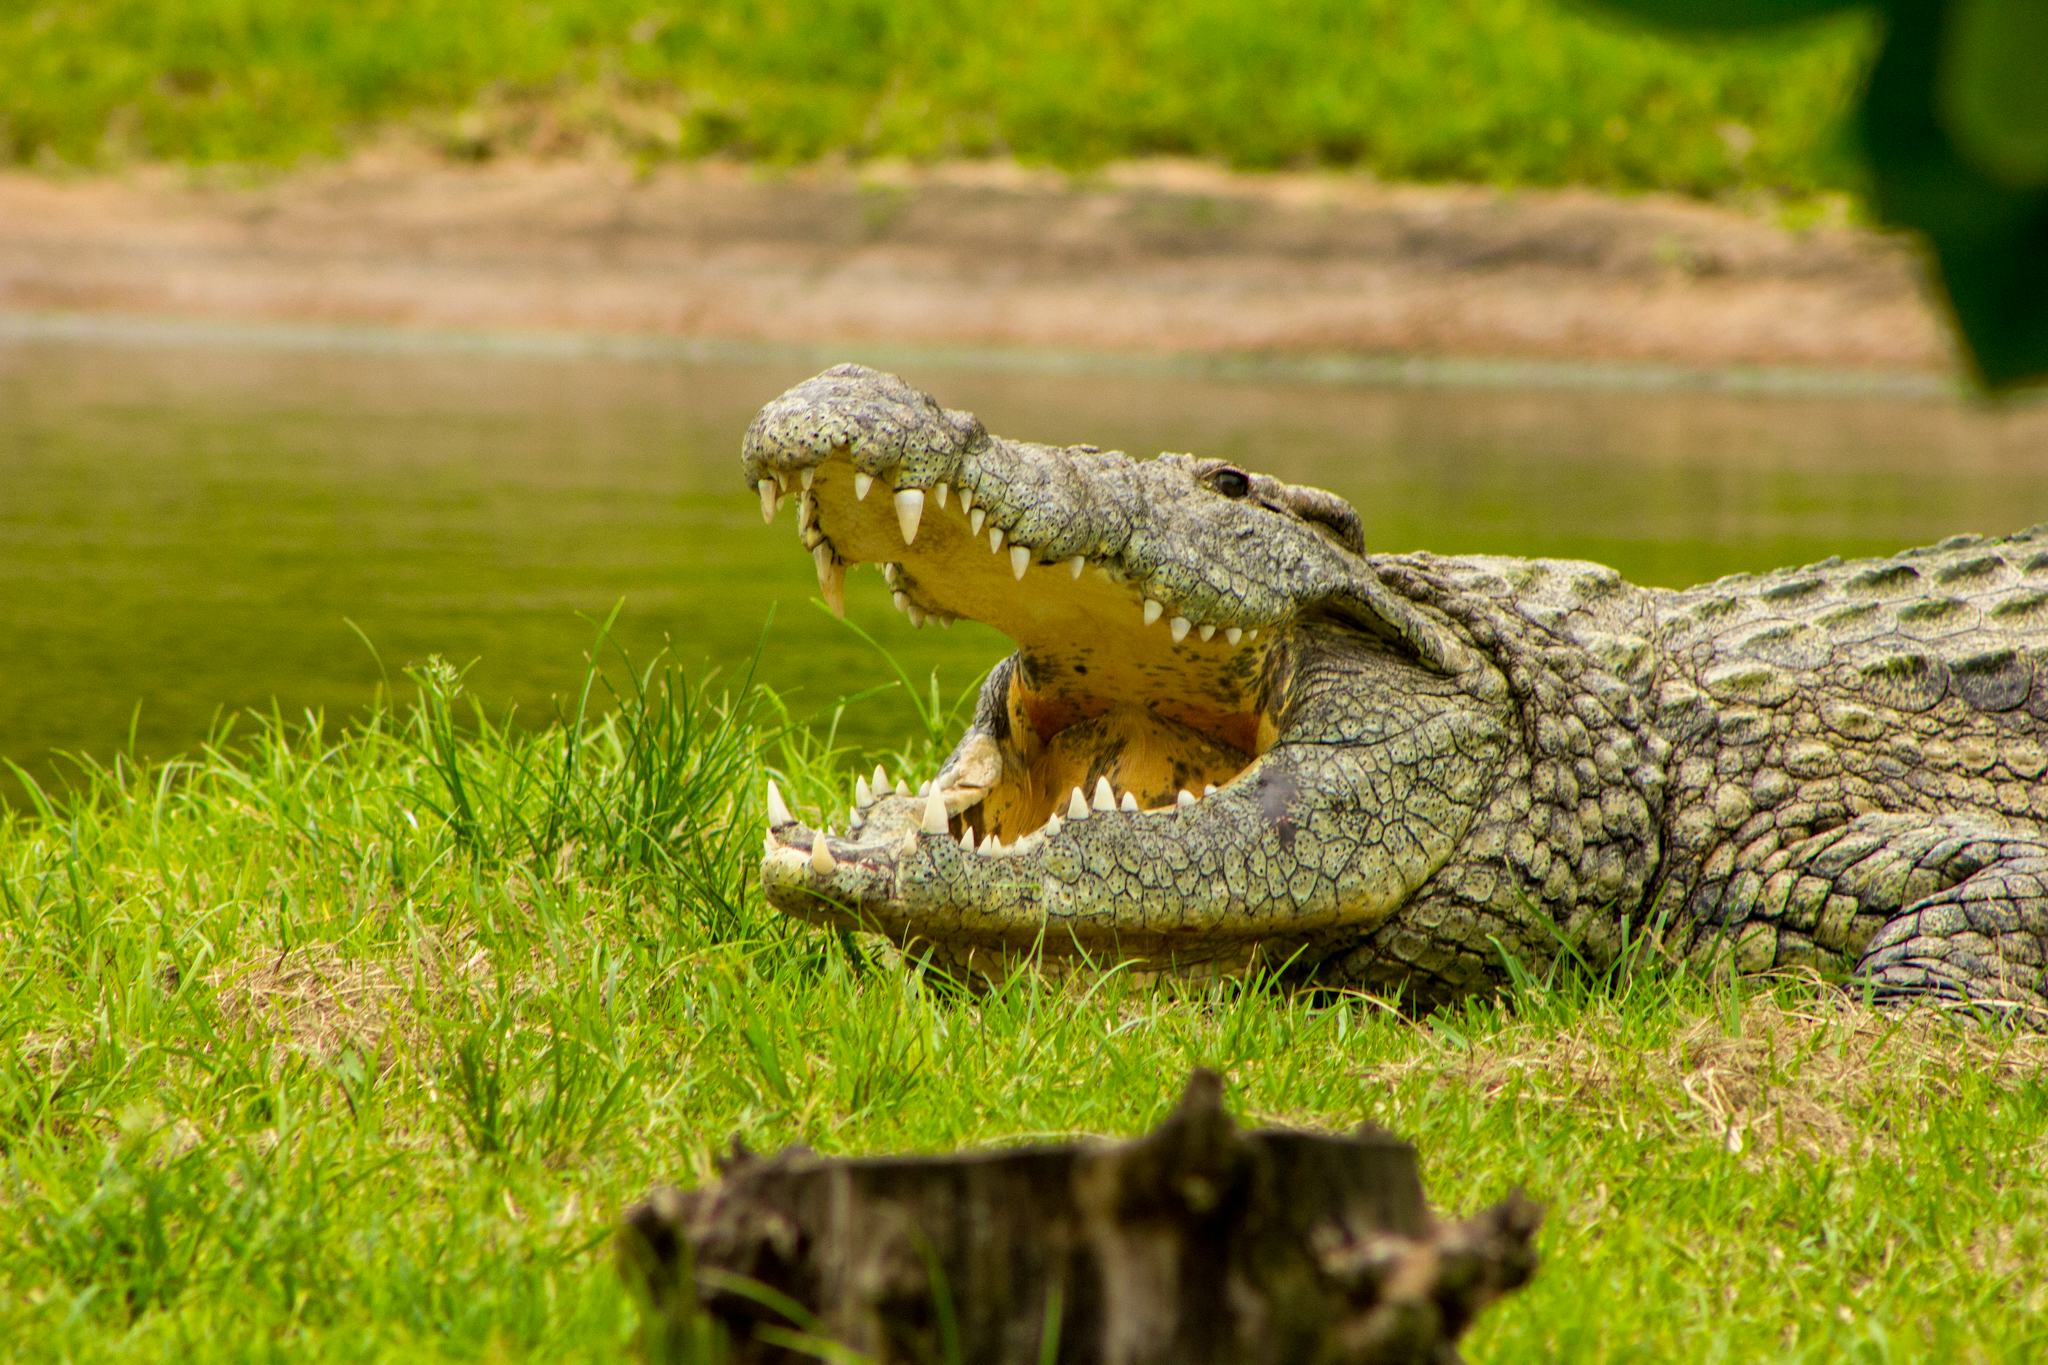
(1039, 542)
(1176, 551)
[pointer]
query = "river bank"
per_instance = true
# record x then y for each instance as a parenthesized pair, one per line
(1143, 258)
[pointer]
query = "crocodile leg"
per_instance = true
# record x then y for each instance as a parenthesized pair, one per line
(1983, 937)
(1947, 906)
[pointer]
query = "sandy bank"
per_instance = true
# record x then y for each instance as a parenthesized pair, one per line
(1148, 257)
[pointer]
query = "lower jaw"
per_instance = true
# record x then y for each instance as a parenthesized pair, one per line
(1050, 947)
(974, 962)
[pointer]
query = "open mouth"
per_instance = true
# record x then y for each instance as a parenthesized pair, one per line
(1223, 737)
(1172, 767)
(1122, 697)
(1154, 604)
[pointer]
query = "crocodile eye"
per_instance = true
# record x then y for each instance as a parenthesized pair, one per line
(1231, 483)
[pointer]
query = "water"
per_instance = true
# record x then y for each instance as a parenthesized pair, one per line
(188, 531)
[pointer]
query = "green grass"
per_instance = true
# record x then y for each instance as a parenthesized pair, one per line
(1499, 91)
(351, 1043)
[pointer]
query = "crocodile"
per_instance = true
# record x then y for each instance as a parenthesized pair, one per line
(1233, 739)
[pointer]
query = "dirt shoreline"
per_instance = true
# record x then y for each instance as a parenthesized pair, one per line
(1153, 257)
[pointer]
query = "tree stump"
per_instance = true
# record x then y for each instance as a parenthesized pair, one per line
(1199, 1242)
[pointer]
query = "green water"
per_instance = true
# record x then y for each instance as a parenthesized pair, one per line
(191, 531)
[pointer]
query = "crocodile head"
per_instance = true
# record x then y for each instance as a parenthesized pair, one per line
(1222, 737)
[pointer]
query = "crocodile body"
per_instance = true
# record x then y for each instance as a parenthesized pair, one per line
(1232, 736)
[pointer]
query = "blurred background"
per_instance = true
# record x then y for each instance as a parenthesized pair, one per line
(338, 335)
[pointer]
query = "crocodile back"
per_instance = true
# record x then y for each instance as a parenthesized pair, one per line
(1798, 700)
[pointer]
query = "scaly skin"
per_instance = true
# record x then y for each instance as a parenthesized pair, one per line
(1416, 766)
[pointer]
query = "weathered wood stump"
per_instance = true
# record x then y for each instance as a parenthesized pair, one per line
(1199, 1242)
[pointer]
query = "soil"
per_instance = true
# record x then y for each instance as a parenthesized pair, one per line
(1149, 257)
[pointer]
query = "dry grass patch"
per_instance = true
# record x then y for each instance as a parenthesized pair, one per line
(321, 1001)
(1817, 1075)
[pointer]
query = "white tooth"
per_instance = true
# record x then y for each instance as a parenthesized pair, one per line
(966, 498)
(1077, 806)
(1207, 632)
(942, 490)
(908, 847)
(916, 615)
(934, 821)
(821, 856)
(769, 848)
(1020, 559)
(1208, 789)
(1076, 564)
(861, 484)
(771, 498)
(967, 841)
(1105, 799)
(1233, 634)
(995, 539)
(1153, 611)
(991, 847)
(975, 519)
(1179, 625)
(1051, 826)
(1252, 634)
(1185, 799)
(778, 809)
(805, 478)
(831, 578)
(1129, 803)
(901, 600)
(881, 783)
(909, 510)
(863, 794)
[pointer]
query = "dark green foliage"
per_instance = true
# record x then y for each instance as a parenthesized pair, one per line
(1937, 168)
(1954, 120)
